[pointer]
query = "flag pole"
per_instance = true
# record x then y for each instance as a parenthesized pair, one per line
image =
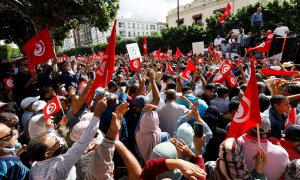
(106, 78)
(283, 45)
(258, 135)
(60, 105)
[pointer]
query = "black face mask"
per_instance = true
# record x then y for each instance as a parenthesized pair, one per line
(62, 150)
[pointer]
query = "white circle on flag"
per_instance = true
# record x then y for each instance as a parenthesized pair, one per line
(10, 83)
(51, 108)
(270, 36)
(100, 70)
(39, 48)
(136, 64)
(225, 68)
(233, 80)
(188, 73)
(243, 111)
(145, 46)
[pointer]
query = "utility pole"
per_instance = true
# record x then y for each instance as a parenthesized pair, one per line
(177, 12)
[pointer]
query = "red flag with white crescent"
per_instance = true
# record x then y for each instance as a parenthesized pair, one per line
(178, 53)
(52, 107)
(190, 67)
(39, 48)
(232, 80)
(135, 64)
(169, 69)
(9, 83)
(248, 113)
(225, 68)
(200, 60)
(263, 47)
(145, 45)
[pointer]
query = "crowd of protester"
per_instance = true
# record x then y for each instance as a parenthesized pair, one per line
(142, 125)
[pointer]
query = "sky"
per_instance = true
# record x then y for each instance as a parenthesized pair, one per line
(148, 9)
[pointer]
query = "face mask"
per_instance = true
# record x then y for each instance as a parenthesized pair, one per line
(12, 150)
(62, 150)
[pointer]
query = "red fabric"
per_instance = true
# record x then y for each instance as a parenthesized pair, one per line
(9, 83)
(226, 13)
(100, 54)
(290, 148)
(145, 45)
(106, 68)
(158, 53)
(39, 48)
(52, 107)
(169, 69)
(211, 48)
(269, 36)
(232, 80)
(263, 47)
(225, 69)
(153, 168)
(135, 64)
(292, 117)
(248, 113)
(190, 67)
(32, 71)
(272, 72)
(200, 60)
(200, 162)
(178, 53)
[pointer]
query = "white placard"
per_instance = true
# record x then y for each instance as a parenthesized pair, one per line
(198, 47)
(133, 51)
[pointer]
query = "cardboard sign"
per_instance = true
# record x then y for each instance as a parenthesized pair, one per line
(198, 47)
(133, 51)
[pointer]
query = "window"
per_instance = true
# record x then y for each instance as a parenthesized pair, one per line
(133, 34)
(198, 19)
(180, 21)
(133, 25)
(121, 25)
(147, 26)
(122, 33)
(129, 25)
(138, 33)
(129, 34)
(143, 33)
(142, 26)
(138, 26)
(152, 27)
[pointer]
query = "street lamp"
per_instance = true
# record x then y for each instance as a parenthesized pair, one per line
(177, 12)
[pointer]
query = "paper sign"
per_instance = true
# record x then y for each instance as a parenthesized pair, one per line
(133, 51)
(198, 47)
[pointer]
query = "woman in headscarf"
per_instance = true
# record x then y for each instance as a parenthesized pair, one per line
(231, 165)
(292, 171)
(149, 134)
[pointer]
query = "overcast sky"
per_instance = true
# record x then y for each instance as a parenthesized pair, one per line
(148, 9)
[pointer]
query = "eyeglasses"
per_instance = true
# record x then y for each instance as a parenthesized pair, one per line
(57, 142)
(9, 135)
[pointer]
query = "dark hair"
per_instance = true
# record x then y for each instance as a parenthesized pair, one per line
(264, 102)
(277, 99)
(185, 89)
(36, 150)
(222, 90)
(166, 77)
(293, 88)
(112, 84)
(170, 94)
(171, 85)
(210, 86)
(133, 88)
(5, 117)
(261, 87)
(44, 90)
(233, 105)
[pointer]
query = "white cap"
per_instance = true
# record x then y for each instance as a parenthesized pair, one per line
(27, 101)
(38, 105)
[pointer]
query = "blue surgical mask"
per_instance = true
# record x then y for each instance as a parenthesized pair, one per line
(12, 150)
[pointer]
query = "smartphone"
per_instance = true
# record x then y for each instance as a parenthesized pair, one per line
(198, 129)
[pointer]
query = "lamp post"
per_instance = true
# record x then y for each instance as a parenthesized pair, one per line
(177, 12)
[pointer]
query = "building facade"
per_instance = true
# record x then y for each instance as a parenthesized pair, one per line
(199, 10)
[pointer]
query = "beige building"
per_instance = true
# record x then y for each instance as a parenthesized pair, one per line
(199, 10)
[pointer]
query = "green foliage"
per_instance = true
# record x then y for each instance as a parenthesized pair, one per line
(78, 51)
(20, 20)
(121, 45)
(7, 52)
(100, 47)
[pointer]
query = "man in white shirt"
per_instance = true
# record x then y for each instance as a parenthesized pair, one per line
(281, 30)
(170, 113)
(218, 42)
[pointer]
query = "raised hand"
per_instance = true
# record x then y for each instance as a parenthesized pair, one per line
(101, 106)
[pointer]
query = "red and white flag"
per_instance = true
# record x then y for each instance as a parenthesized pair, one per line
(190, 67)
(135, 64)
(263, 47)
(226, 68)
(269, 36)
(158, 53)
(232, 80)
(226, 13)
(178, 53)
(39, 48)
(106, 68)
(169, 69)
(292, 117)
(200, 60)
(145, 45)
(9, 83)
(52, 107)
(189, 54)
(248, 113)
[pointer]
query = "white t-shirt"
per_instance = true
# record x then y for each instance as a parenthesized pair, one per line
(280, 31)
(218, 42)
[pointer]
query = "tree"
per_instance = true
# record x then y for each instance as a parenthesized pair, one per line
(21, 19)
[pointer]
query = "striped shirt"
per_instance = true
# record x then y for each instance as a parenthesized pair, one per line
(12, 168)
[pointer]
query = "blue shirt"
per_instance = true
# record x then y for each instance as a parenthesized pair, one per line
(12, 168)
(201, 107)
(256, 17)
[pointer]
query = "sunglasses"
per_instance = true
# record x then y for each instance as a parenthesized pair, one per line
(9, 135)
(57, 142)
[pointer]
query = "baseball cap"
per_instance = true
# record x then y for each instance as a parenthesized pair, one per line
(292, 133)
(38, 105)
(27, 101)
(100, 92)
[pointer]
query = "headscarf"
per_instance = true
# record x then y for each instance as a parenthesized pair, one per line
(231, 160)
(166, 150)
(292, 170)
(149, 134)
(185, 132)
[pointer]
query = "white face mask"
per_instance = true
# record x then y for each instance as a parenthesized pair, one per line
(12, 150)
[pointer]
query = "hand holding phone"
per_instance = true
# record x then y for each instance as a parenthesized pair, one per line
(198, 129)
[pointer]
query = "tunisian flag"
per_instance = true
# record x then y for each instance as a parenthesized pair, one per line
(135, 64)
(263, 47)
(226, 68)
(39, 48)
(232, 80)
(248, 113)
(226, 13)
(169, 69)
(178, 53)
(106, 68)
(52, 107)
(145, 45)
(9, 83)
(158, 54)
(272, 72)
(190, 67)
